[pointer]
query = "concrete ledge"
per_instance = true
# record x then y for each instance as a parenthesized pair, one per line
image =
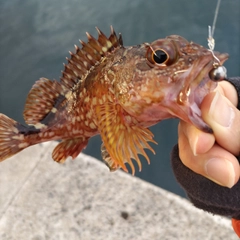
(81, 199)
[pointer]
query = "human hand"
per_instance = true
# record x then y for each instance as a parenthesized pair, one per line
(213, 155)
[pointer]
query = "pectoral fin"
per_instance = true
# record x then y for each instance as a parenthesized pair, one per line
(123, 138)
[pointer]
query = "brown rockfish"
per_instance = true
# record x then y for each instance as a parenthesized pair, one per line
(117, 92)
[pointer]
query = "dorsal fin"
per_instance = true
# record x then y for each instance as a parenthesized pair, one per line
(42, 98)
(45, 96)
(86, 57)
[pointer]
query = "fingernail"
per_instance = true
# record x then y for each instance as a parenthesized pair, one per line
(220, 111)
(220, 171)
(193, 144)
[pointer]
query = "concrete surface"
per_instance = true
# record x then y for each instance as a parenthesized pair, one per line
(81, 199)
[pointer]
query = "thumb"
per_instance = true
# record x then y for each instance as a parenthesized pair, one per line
(224, 118)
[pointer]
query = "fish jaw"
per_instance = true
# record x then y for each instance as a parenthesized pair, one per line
(179, 96)
(197, 84)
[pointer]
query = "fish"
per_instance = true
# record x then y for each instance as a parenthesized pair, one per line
(118, 92)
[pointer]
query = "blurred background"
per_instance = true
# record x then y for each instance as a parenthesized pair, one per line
(35, 37)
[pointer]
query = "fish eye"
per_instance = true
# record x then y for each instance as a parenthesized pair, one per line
(161, 53)
(159, 56)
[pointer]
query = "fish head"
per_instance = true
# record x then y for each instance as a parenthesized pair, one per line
(171, 77)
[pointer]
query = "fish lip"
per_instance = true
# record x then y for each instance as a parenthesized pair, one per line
(207, 65)
(216, 59)
(222, 57)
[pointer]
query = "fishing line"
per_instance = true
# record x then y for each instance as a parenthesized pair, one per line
(218, 72)
(215, 16)
(211, 41)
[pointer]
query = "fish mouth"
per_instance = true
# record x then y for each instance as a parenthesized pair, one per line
(197, 84)
(222, 57)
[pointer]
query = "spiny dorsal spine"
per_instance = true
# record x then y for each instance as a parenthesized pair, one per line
(88, 56)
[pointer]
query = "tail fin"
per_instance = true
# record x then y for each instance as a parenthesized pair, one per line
(11, 140)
